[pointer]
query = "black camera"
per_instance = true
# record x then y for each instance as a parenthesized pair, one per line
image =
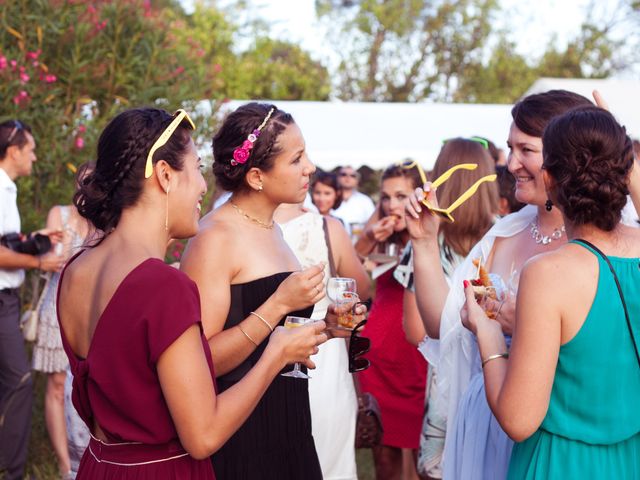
(34, 244)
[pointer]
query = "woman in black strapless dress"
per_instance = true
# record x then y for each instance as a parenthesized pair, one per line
(249, 280)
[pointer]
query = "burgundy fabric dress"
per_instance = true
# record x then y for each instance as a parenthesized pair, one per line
(117, 385)
(398, 372)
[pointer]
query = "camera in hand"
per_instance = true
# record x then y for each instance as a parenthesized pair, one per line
(34, 244)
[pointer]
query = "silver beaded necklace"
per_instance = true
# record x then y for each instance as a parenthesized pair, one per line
(539, 238)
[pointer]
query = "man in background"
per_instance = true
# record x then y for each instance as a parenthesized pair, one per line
(356, 207)
(17, 154)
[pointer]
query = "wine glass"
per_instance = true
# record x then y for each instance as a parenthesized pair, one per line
(293, 322)
(342, 291)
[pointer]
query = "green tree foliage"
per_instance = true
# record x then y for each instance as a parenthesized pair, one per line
(447, 51)
(67, 67)
(405, 50)
(274, 69)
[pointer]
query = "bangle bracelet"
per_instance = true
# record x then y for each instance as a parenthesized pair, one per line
(263, 320)
(493, 357)
(247, 335)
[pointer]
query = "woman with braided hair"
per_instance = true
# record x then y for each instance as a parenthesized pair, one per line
(130, 324)
(249, 280)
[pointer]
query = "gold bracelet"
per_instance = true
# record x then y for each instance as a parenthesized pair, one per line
(493, 357)
(247, 335)
(263, 320)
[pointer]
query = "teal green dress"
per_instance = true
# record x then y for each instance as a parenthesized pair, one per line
(592, 426)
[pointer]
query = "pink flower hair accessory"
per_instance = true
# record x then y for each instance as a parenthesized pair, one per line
(242, 153)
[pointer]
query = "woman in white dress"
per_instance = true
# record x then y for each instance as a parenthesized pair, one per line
(332, 395)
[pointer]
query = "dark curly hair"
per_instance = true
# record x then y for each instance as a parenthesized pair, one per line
(234, 131)
(533, 112)
(117, 178)
(589, 156)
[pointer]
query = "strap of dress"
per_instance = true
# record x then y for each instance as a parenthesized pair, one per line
(597, 251)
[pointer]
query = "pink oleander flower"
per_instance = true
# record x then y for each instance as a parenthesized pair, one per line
(13, 64)
(3, 62)
(178, 70)
(24, 78)
(91, 9)
(82, 129)
(35, 64)
(50, 78)
(79, 143)
(34, 55)
(101, 25)
(22, 97)
(241, 155)
(217, 68)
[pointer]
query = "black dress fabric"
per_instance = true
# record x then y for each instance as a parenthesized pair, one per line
(275, 443)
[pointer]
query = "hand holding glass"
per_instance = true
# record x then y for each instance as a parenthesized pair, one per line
(293, 322)
(342, 291)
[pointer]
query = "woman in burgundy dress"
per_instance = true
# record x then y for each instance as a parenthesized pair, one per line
(249, 281)
(143, 375)
(398, 372)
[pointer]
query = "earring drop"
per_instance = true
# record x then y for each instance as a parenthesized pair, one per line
(260, 188)
(166, 212)
(548, 205)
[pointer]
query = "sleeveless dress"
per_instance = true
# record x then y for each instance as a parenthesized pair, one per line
(592, 426)
(333, 428)
(48, 354)
(117, 385)
(398, 372)
(275, 442)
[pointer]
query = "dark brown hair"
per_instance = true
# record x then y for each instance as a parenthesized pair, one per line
(330, 180)
(234, 131)
(19, 138)
(589, 156)
(532, 114)
(476, 215)
(117, 178)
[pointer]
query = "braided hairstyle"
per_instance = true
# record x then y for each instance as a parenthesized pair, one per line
(234, 131)
(116, 181)
(589, 156)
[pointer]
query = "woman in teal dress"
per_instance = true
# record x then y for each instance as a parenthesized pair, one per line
(569, 389)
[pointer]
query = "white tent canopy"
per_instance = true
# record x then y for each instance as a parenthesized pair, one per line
(378, 134)
(622, 96)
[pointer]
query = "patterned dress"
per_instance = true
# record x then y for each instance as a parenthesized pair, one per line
(48, 354)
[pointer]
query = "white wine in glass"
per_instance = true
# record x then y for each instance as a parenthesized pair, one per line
(293, 322)
(342, 291)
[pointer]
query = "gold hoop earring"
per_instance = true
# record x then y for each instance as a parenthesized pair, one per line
(166, 212)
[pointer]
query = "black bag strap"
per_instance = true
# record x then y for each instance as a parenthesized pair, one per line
(615, 277)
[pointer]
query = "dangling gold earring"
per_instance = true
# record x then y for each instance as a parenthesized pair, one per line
(166, 213)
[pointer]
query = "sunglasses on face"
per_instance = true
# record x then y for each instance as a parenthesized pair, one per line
(358, 346)
(17, 127)
(445, 213)
(164, 138)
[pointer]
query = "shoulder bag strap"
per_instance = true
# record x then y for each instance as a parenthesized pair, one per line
(615, 277)
(332, 269)
(332, 266)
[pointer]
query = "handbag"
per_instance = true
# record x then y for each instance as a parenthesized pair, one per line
(624, 303)
(31, 316)
(369, 420)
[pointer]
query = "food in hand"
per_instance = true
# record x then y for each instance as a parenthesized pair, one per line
(483, 287)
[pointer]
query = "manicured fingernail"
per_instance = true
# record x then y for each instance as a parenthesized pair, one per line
(466, 283)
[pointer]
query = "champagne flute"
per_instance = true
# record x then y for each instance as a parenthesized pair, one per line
(342, 291)
(292, 322)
